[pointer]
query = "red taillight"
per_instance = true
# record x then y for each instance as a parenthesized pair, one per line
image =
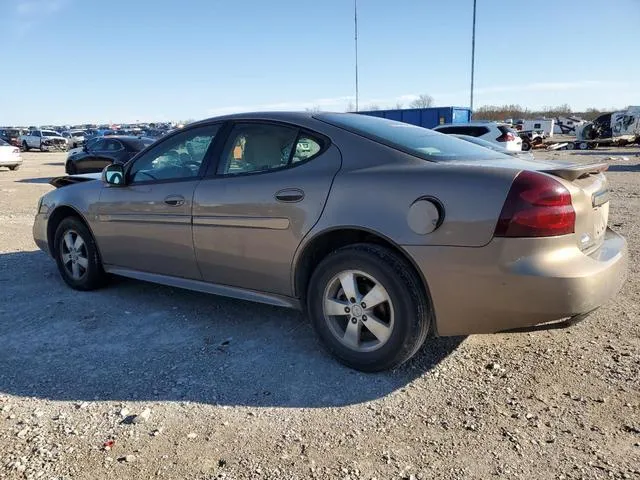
(536, 206)
(506, 137)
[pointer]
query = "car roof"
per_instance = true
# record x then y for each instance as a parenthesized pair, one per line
(480, 123)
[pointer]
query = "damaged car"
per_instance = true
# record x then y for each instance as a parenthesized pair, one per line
(43, 140)
(383, 233)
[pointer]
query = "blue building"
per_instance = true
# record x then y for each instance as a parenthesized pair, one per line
(424, 117)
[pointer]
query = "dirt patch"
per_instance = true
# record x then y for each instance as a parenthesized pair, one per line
(139, 380)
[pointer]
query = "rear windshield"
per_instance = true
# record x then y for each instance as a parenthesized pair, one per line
(141, 143)
(418, 141)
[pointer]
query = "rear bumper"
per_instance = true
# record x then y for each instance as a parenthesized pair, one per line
(11, 162)
(513, 283)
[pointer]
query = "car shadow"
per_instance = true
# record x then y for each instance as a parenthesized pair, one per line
(35, 180)
(139, 341)
(55, 164)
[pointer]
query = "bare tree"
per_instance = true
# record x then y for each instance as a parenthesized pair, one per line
(314, 109)
(423, 101)
(373, 106)
(351, 107)
(399, 106)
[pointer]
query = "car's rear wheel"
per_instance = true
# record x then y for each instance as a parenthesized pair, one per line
(71, 168)
(77, 255)
(14, 167)
(368, 306)
(25, 146)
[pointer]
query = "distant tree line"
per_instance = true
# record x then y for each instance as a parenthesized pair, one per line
(502, 112)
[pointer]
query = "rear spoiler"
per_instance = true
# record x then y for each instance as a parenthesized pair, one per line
(576, 170)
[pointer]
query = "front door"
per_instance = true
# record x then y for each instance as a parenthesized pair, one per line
(145, 225)
(270, 187)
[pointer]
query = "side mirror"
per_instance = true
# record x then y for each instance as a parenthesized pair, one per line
(113, 174)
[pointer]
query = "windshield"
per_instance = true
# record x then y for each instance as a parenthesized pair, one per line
(418, 141)
(49, 133)
(77, 133)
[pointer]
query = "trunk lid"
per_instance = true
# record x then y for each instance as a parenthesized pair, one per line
(587, 185)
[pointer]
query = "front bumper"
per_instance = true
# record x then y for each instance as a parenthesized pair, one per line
(512, 283)
(40, 232)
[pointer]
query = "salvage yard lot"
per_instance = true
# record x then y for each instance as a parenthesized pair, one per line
(241, 390)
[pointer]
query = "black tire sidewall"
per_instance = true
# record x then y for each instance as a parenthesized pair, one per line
(399, 346)
(95, 274)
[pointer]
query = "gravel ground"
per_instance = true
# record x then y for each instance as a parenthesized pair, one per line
(141, 381)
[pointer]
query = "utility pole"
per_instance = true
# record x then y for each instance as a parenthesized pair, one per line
(473, 53)
(355, 19)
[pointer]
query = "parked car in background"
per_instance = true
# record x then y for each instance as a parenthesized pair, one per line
(381, 231)
(44, 140)
(493, 132)
(496, 148)
(11, 135)
(102, 151)
(74, 137)
(9, 156)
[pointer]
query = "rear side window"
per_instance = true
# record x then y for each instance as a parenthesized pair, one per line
(505, 129)
(448, 130)
(420, 142)
(478, 131)
(260, 147)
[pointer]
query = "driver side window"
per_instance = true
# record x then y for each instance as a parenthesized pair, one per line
(176, 158)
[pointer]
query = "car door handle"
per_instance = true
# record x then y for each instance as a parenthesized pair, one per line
(174, 200)
(289, 195)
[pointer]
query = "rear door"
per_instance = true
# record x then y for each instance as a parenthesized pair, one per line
(249, 216)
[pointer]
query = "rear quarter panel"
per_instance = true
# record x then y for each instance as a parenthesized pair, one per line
(378, 199)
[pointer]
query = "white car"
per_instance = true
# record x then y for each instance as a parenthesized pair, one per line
(74, 137)
(498, 133)
(9, 156)
(45, 140)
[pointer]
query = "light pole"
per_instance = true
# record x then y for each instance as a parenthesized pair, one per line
(355, 21)
(473, 53)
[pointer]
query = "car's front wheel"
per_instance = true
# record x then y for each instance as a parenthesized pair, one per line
(77, 255)
(25, 146)
(368, 306)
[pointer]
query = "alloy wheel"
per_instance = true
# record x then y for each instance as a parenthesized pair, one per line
(74, 254)
(358, 310)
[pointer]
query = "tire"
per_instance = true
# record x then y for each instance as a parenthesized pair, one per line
(90, 277)
(583, 146)
(42, 148)
(526, 146)
(405, 316)
(570, 146)
(71, 169)
(25, 146)
(14, 167)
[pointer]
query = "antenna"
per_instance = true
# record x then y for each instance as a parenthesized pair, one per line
(473, 53)
(355, 20)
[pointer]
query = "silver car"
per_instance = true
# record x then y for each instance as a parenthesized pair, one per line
(382, 232)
